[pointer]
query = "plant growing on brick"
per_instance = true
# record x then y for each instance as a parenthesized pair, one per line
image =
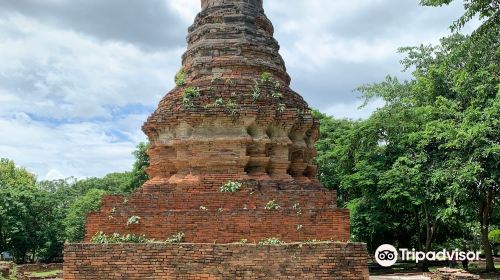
(272, 205)
(180, 78)
(176, 238)
(297, 209)
(231, 187)
(273, 241)
(102, 238)
(277, 85)
(243, 241)
(299, 227)
(281, 108)
(266, 78)
(203, 208)
(189, 94)
(133, 220)
(219, 102)
(255, 91)
(276, 94)
(233, 108)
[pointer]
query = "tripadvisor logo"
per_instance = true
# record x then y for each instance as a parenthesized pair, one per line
(386, 255)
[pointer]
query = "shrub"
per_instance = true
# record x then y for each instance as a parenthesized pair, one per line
(494, 236)
(189, 94)
(277, 85)
(176, 238)
(133, 220)
(272, 205)
(219, 102)
(180, 78)
(266, 78)
(102, 238)
(281, 108)
(232, 108)
(255, 91)
(273, 241)
(276, 94)
(231, 187)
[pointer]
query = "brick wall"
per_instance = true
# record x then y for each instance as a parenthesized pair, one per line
(346, 261)
(224, 217)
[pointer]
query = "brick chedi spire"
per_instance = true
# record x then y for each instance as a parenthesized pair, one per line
(231, 162)
(232, 118)
(233, 112)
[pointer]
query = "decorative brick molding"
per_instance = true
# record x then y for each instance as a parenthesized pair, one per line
(333, 261)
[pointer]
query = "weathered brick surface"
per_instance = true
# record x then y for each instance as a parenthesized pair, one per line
(234, 125)
(231, 226)
(332, 261)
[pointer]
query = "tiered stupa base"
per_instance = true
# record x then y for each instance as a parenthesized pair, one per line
(222, 231)
(300, 213)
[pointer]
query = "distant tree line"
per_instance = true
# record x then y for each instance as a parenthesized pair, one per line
(38, 217)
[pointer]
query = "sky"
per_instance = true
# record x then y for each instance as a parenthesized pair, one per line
(78, 78)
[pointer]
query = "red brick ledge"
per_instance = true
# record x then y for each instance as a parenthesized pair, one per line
(326, 260)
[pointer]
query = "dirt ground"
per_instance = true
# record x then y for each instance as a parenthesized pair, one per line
(399, 277)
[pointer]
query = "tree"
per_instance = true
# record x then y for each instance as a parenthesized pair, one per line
(455, 92)
(139, 175)
(11, 176)
(29, 223)
(75, 220)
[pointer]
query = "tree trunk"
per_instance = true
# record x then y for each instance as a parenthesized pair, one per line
(430, 234)
(485, 209)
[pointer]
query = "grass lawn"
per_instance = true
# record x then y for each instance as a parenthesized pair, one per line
(46, 273)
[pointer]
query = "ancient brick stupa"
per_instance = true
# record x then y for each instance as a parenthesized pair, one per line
(231, 162)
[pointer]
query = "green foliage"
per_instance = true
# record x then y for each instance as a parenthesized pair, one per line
(272, 241)
(272, 205)
(176, 238)
(423, 167)
(102, 238)
(485, 8)
(138, 175)
(231, 187)
(189, 94)
(133, 220)
(494, 236)
(266, 78)
(12, 176)
(281, 108)
(180, 78)
(30, 224)
(276, 85)
(276, 94)
(233, 108)
(255, 92)
(74, 221)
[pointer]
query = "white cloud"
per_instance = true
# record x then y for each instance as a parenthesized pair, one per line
(72, 77)
(353, 110)
(60, 74)
(80, 149)
(186, 8)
